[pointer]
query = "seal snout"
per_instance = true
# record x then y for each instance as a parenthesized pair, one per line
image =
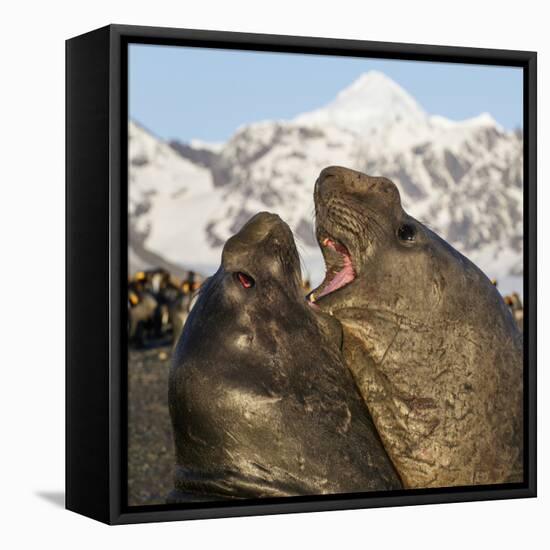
(262, 226)
(328, 178)
(337, 179)
(258, 243)
(332, 171)
(254, 231)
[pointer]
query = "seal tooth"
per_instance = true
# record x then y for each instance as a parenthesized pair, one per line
(312, 297)
(326, 241)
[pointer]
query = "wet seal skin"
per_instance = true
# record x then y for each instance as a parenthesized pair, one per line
(262, 404)
(431, 344)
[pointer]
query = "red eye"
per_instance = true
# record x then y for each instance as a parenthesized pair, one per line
(245, 280)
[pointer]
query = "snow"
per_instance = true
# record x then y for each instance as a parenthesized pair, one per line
(462, 178)
(215, 147)
(373, 100)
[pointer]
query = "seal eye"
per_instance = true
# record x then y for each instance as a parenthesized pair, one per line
(246, 280)
(407, 232)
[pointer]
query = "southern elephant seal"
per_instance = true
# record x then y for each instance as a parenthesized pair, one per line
(433, 348)
(262, 404)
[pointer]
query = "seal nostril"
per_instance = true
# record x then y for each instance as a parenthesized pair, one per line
(246, 280)
(325, 183)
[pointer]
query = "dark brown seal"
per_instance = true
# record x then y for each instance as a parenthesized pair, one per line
(262, 404)
(434, 350)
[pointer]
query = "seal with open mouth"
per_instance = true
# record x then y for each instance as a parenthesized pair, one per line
(431, 343)
(262, 404)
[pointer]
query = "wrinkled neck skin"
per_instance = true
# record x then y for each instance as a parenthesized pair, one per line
(435, 353)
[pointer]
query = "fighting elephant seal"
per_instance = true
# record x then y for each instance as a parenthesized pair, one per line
(261, 402)
(432, 345)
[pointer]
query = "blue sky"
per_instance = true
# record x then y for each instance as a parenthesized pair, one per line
(191, 93)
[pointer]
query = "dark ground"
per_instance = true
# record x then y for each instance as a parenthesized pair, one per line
(150, 446)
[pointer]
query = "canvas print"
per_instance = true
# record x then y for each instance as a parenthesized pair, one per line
(325, 275)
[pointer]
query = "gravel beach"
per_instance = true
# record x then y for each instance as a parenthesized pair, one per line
(150, 445)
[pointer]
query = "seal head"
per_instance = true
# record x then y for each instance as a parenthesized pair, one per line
(262, 404)
(432, 346)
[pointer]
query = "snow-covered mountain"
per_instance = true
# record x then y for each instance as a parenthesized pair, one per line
(464, 179)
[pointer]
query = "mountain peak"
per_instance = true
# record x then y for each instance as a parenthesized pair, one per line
(370, 83)
(482, 120)
(372, 101)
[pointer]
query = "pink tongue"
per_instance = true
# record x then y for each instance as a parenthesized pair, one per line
(343, 277)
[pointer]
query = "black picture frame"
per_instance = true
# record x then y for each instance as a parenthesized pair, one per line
(96, 250)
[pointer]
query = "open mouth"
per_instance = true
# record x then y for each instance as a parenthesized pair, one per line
(340, 271)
